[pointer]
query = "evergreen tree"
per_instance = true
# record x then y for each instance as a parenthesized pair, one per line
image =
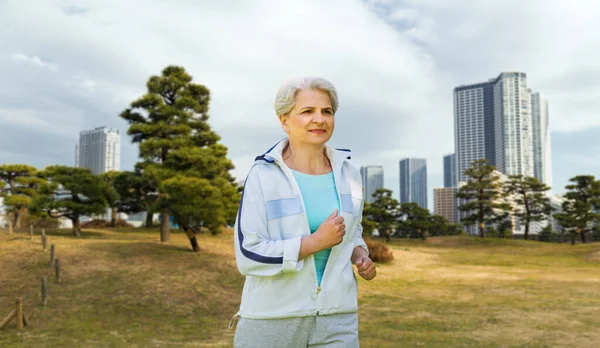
(579, 210)
(532, 204)
(18, 186)
(72, 192)
(483, 195)
(383, 211)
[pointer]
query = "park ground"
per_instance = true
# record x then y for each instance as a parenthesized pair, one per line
(123, 288)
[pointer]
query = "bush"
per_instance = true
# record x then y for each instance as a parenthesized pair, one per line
(379, 252)
(99, 223)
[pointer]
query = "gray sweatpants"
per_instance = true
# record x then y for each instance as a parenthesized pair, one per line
(336, 330)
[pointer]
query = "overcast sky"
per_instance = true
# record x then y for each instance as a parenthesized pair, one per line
(67, 66)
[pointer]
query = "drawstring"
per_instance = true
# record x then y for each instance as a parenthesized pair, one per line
(234, 320)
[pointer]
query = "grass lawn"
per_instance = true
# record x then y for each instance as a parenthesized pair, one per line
(124, 288)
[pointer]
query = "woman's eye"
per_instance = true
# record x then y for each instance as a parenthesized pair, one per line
(306, 111)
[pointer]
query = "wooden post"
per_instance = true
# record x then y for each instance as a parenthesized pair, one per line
(19, 313)
(10, 226)
(7, 320)
(44, 292)
(52, 248)
(57, 269)
(31, 232)
(43, 232)
(44, 242)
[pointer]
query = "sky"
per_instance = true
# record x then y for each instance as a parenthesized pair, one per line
(68, 66)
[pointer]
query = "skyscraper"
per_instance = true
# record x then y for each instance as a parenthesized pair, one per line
(493, 120)
(450, 179)
(372, 179)
(413, 181)
(99, 150)
(541, 139)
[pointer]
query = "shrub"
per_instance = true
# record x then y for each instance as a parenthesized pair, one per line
(99, 223)
(379, 252)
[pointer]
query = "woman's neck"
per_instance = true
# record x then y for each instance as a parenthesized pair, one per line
(308, 159)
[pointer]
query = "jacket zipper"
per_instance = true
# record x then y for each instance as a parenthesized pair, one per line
(297, 189)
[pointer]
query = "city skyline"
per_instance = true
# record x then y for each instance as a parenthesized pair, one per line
(55, 87)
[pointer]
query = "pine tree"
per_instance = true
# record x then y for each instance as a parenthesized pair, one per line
(483, 195)
(531, 202)
(72, 193)
(18, 186)
(177, 146)
(383, 211)
(579, 210)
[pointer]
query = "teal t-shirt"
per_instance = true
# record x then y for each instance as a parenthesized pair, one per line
(320, 200)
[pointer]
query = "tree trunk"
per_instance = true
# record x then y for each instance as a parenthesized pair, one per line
(526, 231)
(422, 234)
(387, 235)
(16, 219)
(76, 227)
(113, 217)
(573, 238)
(164, 226)
(149, 219)
(9, 223)
(482, 230)
(582, 233)
(192, 236)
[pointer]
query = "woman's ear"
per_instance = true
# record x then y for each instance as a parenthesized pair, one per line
(283, 119)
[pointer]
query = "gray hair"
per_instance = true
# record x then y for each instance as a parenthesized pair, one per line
(286, 96)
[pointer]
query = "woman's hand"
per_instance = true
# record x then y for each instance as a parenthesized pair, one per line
(364, 265)
(366, 268)
(331, 232)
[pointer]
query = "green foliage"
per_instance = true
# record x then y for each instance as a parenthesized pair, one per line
(547, 234)
(72, 193)
(178, 150)
(19, 185)
(492, 232)
(383, 212)
(137, 192)
(415, 220)
(578, 210)
(482, 193)
(532, 204)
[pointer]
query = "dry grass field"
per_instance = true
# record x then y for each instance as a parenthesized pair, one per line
(123, 288)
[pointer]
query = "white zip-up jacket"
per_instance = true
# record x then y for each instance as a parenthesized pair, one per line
(270, 224)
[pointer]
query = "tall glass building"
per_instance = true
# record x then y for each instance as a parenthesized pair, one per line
(372, 179)
(450, 179)
(494, 120)
(413, 181)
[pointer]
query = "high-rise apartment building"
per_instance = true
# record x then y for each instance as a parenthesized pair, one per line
(444, 203)
(372, 179)
(495, 120)
(99, 150)
(413, 181)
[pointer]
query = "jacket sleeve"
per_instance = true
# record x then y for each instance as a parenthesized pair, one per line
(358, 239)
(256, 254)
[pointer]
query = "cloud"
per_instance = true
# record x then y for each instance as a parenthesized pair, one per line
(394, 64)
(35, 61)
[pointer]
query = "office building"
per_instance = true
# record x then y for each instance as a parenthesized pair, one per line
(541, 139)
(450, 179)
(444, 203)
(413, 181)
(372, 179)
(99, 150)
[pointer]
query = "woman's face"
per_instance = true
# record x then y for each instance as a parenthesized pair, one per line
(311, 121)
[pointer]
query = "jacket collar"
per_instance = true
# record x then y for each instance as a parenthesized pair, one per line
(337, 157)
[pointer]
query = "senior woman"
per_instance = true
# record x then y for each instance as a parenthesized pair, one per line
(298, 231)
